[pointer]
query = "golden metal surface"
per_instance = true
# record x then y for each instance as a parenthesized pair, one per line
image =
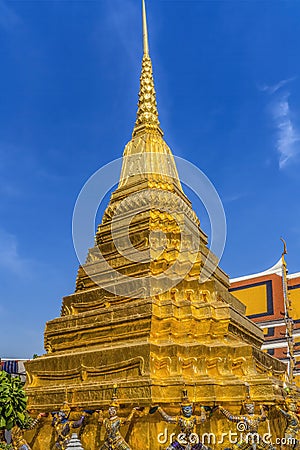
(147, 114)
(145, 29)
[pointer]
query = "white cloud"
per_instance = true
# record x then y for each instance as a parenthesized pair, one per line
(287, 133)
(271, 89)
(10, 258)
(288, 136)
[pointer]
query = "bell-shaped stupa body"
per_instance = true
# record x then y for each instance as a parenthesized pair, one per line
(141, 316)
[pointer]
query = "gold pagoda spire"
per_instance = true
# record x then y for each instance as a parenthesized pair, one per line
(145, 29)
(147, 114)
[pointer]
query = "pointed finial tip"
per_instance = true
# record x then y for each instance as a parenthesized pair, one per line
(145, 29)
(284, 246)
(147, 114)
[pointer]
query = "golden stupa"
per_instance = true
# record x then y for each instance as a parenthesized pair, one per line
(152, 336)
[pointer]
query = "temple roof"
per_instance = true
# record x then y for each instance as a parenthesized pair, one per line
(276, 269)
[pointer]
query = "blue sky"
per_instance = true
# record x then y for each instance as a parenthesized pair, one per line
(227, 76)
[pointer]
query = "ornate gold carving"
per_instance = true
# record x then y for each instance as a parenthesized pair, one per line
(84, 372)
(161, 366)
(205, 296)
(190, 294)
(147, 113)
(189, 366)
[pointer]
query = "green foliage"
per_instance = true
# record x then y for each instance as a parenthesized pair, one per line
(27, 422)
(4, 446)
(12, 401)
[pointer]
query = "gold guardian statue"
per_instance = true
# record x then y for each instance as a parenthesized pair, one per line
(113, 423)
(187, 439)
